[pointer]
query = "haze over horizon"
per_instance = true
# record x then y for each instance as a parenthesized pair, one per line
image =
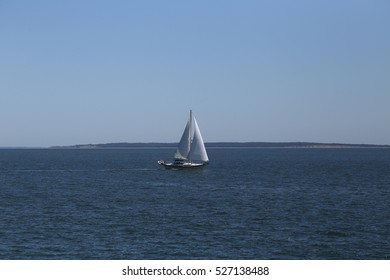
(81, 72)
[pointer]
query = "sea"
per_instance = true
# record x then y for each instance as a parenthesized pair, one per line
(248, 203)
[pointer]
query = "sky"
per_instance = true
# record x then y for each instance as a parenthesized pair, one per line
(78, 72)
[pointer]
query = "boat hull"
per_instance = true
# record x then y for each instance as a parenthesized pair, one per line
(185, 165)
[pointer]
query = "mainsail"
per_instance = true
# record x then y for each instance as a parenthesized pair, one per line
(198, 150)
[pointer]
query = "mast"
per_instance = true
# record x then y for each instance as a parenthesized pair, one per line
(190, 138)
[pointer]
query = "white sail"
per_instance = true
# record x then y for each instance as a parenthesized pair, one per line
(198, 150)
(185, 143)
(191, 151)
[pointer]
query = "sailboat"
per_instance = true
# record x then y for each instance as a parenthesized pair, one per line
(191, 151)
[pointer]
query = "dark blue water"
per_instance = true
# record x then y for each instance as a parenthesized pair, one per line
(247, 204)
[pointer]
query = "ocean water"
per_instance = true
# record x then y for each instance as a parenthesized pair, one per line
(247, 204)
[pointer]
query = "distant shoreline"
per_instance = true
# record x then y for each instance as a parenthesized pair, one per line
(302, 145)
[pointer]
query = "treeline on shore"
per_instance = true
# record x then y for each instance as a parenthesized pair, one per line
(225, 145)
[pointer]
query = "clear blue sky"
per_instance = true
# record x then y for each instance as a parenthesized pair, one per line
(74, 72)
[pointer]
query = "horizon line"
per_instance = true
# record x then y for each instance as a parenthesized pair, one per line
(224, 143)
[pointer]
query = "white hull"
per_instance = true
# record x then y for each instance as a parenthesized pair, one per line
(183, 165)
